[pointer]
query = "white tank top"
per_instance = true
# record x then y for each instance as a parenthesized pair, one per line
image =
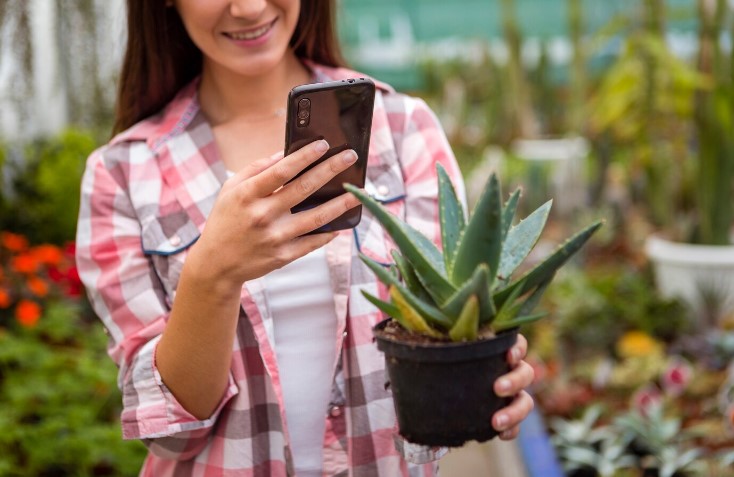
(301, 302)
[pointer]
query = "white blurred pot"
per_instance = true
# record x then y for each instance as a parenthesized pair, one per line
(698, 274)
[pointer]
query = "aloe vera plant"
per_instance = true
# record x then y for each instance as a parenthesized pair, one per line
(467, 289)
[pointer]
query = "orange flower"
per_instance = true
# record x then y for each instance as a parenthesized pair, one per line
(13, 242)
(37, 286)
(4, 298)
(27, 313)
(24, 263)
(47, 254)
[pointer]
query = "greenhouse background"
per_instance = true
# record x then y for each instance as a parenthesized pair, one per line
(621, 110)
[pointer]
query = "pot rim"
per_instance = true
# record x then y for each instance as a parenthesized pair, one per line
(444, 352)
(661, 249)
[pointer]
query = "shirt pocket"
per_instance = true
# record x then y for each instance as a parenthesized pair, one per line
(166, 240)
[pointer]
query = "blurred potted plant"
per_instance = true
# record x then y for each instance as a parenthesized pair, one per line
(673, 124)
(453, 313)
(700, 266)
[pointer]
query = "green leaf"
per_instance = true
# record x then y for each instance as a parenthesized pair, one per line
(548, 267)
(410, 278)
(466, 327)
(388, 308)
(411, 316)
(519, 321)
(451, 216)
(414, 246)
(481, 241)
(428, 311)
(520, 241)
(508, 211)
(477, 285)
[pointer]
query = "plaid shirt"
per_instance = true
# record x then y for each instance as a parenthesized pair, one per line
(145, 199)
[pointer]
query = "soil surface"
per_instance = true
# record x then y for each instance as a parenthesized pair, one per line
(394, 332)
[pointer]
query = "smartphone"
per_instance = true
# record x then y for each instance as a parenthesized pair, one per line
(341, 113)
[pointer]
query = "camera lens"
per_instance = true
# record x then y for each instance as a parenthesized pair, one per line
(303, 113)
(304, 103)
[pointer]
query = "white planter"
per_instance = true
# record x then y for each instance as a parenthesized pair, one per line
(692, 272)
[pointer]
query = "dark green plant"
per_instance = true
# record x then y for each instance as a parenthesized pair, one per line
(59, 404)
(43, 200)
(714, 119)
(467, 289)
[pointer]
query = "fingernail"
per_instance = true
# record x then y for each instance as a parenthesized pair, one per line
(349, 156)
(502, 421)
(503, 384)
(321, 146)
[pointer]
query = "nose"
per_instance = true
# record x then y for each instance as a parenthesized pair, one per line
(250, 9)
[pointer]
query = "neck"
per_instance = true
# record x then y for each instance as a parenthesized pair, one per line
(225, 96)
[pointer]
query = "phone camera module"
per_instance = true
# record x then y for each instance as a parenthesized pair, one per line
(304, 112)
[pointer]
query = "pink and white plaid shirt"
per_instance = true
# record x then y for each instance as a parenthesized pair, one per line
(145, 199)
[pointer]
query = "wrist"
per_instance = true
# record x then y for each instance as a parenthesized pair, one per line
(201, 270)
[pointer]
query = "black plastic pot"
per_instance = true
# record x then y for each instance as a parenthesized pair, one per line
(443, 393)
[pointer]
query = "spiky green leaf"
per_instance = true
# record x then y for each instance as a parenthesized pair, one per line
(520, 241)
(508, 211)
(428, 311)
(466, 327)
(386, 307)
(412, 318)
(548, 267)
(416, 248)
(477, 285)
(410, 278)
(451, 216)
(518, 321)
(481, 241)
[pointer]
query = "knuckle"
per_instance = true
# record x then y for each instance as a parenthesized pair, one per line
(306, 186)
(259, 217)
(321, 218)
(280, 172)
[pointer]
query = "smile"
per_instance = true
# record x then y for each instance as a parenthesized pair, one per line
(251, 34)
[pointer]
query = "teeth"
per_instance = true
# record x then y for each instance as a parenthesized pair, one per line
(250, 34)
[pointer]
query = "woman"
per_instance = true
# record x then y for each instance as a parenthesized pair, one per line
(245, 347)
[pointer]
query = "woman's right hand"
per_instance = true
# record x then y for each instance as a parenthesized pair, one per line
(251, 230)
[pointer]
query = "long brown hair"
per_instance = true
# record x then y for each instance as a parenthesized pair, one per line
(160, 58)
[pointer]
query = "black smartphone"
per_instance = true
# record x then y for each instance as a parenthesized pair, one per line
(341, 113)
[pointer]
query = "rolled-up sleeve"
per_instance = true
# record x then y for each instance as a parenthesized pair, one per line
(128, 297)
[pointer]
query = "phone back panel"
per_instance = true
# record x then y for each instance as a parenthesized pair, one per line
(341, 113)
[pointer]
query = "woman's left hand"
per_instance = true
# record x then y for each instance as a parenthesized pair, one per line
(507, 420)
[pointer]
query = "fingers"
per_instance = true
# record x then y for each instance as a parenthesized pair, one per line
(518, 352)
(282, 171)
(254, 168)
(312, 219)
(507, 420)
(515, 381)
(308, 183)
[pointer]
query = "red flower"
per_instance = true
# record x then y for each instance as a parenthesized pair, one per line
(4, 298)
(13, 242)
(37, 286)
(676, 377)
(24, 263)
(646, 398)
(47, 254)
(27, 313)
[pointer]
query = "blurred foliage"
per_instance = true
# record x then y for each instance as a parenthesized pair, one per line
(42, 197)
(59, 404)
(597, 306)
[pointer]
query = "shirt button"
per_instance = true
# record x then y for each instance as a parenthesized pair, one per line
(175, 240)
(383, 190)
(335, 411)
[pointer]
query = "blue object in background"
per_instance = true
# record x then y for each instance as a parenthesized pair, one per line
(537, 451)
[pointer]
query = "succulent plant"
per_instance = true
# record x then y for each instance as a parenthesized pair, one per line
(467, 289)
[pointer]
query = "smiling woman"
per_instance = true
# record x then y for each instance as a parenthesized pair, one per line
(219, 302)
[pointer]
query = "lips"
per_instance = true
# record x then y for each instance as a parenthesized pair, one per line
(251, 34)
